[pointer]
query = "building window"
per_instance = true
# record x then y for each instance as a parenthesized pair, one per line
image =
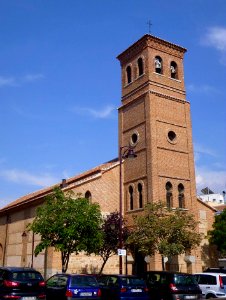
(130, 197)
(173, 70)
(169, 194)
(158, 64)
(140, 194)
(88, 195)
(134, 138)
(140, 66)
(181, 200)
(172, 136)
(129, 74)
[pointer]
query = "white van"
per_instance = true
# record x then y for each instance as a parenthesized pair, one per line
(213, 285)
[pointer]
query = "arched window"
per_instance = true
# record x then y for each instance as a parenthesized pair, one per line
(129, 74)
(140, 194)
(130, 197)
(140, 66)
(181, 200)
(88, 195)
(158, 65)
(169, 194)
(173, 70)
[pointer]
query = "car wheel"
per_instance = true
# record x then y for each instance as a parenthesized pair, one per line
(210, 296)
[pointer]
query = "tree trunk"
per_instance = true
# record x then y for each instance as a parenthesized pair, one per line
(163, 264)
(64, 261)
(103, 265)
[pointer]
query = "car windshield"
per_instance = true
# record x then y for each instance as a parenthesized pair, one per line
(21, 276)
(185, 279)
(83, 281)
(132, 281)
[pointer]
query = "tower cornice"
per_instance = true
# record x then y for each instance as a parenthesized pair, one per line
(150, 41)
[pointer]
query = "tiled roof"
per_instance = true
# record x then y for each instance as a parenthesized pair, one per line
(37, 195)
(220, 207)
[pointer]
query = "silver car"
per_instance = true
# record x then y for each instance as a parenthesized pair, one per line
(213, 285)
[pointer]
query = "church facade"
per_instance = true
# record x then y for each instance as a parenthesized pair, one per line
(154, 120)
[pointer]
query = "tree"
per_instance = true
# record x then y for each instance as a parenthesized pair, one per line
(110, 230)
(161, 230)
(217, 236)
(68, 224)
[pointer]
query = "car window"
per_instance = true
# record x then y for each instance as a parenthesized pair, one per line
(206, 279)
(2, 273)
(83, 281)
(132, 281)
(62, 281)
(21, 276)
(224, 279)
(102, 280)
(184, 279)
(112, 280)
(52, 281)
(153, 278)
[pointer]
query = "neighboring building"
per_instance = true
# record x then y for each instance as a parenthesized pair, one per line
(213, 199)
(154, 118)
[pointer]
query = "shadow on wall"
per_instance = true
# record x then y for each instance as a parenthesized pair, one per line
(209, 256)
(90, 269)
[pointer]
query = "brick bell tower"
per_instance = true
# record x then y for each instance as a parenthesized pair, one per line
(154, 117)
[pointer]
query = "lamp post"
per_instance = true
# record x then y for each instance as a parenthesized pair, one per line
(124, 152)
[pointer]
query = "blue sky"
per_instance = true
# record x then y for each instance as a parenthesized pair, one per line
(60, 84)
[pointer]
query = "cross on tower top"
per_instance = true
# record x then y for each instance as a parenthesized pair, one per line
(149, 26)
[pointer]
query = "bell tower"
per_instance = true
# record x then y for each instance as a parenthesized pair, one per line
(154, 118)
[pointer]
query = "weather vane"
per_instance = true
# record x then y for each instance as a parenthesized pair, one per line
(149, 26)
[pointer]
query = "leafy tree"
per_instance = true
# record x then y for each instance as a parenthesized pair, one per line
(110, 230)
(163, 231)
(217, 235)
(68, 224)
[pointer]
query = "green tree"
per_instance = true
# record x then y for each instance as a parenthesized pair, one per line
(217, 236)
(68, 224)
(164, 231)
(110, 230)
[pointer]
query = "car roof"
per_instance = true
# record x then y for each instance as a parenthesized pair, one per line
(120, 275)
(210, 273)
(167, 272)
(17, 269)
(72, 274)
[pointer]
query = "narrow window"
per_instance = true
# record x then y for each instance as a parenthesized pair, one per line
(158, 64)
(140, 66)
(130, 197)
(140, 193)
(88, 195)
(181, 200)
(169, 194)
(129, 74)
(173, 70)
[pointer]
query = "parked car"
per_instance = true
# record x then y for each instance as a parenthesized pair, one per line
(215, 270)
(213, 285)
(165, 285)
(123, 287)
(21, 283)
(72, 286)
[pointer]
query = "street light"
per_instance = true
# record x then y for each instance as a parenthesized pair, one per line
(124, 152)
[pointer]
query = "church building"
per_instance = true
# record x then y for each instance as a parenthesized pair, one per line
(154, 121)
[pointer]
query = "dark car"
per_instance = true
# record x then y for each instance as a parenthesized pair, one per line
(172, 285)
(72, 286)
(123, 287)
(21, 283)
(215, 270)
